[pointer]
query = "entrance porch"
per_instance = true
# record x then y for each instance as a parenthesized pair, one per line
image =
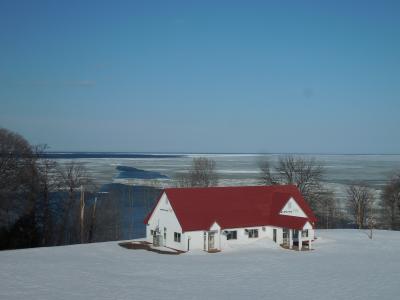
(296, 239)
(212, 241)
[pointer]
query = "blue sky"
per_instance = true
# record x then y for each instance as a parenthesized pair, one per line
(202, 76)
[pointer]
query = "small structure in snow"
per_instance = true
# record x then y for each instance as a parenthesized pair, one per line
(216, 217)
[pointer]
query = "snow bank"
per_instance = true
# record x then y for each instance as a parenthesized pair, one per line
(344, 265)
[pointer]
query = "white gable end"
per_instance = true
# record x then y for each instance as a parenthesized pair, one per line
(307, 226)
(215, 226)
(163, 226)
(164, 213)
(291, 208)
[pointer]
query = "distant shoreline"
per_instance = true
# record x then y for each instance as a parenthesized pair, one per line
(113, 154)
(70, 155)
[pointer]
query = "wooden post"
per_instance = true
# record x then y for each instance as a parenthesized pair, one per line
(300, 236)
(290, 238)
(219, 237)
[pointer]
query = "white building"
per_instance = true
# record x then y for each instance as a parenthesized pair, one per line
(212, 218)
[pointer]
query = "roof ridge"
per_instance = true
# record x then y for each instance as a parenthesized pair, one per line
(275, 186)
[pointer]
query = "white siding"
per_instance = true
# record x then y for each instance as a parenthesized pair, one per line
(197, 237)
(243, 237)
(311, 231)
(164, 217)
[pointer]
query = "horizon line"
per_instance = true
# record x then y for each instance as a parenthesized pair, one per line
(219, 153)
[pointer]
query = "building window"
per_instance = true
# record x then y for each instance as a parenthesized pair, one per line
(253, 233)
(231, 235)
(304, 233)
(177, 237)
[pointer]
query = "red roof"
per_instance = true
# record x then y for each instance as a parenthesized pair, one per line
(235, 207)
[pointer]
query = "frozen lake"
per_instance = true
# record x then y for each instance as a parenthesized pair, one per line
(242, 169)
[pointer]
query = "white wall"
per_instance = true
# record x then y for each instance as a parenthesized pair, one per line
(243, 237)
(197, 237)
(311, 232)
(164, 216)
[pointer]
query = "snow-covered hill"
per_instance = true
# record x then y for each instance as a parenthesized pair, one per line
(345, 264)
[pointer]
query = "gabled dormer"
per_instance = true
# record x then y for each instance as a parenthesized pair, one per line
(291, 208)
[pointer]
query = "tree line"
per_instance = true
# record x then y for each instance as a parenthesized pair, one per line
(362, 207)
(43, 203)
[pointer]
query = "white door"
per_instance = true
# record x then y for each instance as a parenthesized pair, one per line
(211, 240)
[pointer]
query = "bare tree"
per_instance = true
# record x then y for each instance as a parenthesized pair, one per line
(73, 181)
(306, 174)
(371, 222)
(182, 180)
(390, 201)
(82, 205)
(131, 206)
(92, 223)
(267, 178)
(202, 173)
(359, 203)
(47, 169)
(108, 221)
(327, 209)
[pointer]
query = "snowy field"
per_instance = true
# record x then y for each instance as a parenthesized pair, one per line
(344, 265)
